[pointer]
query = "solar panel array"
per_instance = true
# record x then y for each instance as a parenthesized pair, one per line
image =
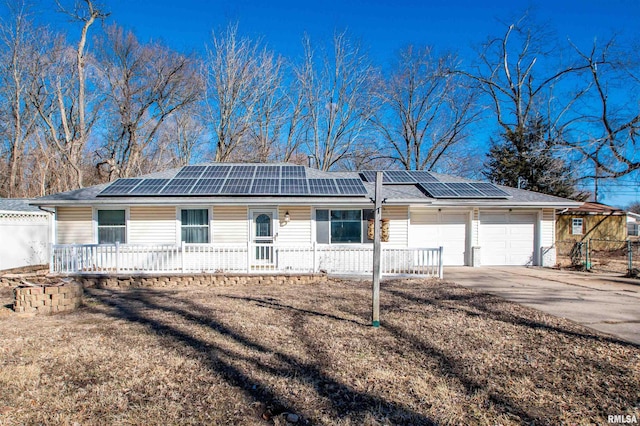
(435, 188)
(399, 177)
(252, 180)
(288, 180)
(462, 190)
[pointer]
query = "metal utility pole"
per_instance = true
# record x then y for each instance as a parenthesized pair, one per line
(377, 250)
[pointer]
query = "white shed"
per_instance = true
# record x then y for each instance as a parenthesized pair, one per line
(25, 234)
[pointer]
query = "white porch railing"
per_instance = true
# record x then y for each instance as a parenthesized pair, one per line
(240, 258)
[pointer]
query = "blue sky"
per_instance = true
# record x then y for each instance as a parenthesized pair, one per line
(383, 27)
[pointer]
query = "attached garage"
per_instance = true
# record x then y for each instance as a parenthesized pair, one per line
(429, 228)
(507, 238)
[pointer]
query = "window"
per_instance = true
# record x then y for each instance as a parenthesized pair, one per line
(112, 226)
(346, 226)
(576, 226)
(342, 226)
(195, 226)
(263, 226)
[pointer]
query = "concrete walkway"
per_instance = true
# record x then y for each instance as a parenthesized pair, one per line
(605, 303)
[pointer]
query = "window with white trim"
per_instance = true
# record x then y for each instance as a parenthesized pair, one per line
(195, 225)
(576, 226)
(112, 226)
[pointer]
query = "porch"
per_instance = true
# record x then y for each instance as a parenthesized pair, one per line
(248, 258)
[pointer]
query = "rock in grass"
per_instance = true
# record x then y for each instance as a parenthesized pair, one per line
(293, 418)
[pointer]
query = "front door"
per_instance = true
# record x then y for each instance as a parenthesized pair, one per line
(263, 237)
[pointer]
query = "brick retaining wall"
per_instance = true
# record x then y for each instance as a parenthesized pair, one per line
(47, 298)
(204, 280)
(49, 295)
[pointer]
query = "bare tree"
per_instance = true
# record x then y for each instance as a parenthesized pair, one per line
(18, 47)
(518, 95)
(269, 109)
(182, 137)
(66, 112)
(337, 100)
(288, 148)
(426, 110)
(275, 126)
(606, 129)
(232, 86)
(146, 85)
(527, 76)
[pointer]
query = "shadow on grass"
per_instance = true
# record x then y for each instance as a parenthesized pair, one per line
(483, 305)
(274, 304)
(141, 306)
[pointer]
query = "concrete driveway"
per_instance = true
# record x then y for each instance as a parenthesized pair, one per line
(605, 303)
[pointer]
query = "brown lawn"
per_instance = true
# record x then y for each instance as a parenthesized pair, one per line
(251, 355)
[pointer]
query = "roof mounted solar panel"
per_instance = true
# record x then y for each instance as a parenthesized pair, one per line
(265, 186)
(242, 172)
(120, 187)
(369, 175)
(294, 186)
(291, 172)
(178, 187)
(465, 190)
(438, 190)
(422, 176)
(191, 172)
(149, 187)
(236, 186)
(398, 176)
(490, 190)
(216, 172)
(351, 187)
(268, 172)
(207, 187)
(323, 187)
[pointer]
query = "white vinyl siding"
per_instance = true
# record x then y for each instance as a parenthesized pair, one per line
(74, 225)
(548, 228)
(475, 228)
(152, 225)
(230, 224)
(298, 229)
(398, 225)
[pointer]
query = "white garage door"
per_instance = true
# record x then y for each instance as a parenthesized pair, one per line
(435, 229)
(507, 238)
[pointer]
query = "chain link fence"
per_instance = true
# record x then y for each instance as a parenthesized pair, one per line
(617, 256)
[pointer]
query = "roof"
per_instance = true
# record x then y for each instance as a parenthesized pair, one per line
(633, 217)
(393, 194)
(18, 205)
(590, 208)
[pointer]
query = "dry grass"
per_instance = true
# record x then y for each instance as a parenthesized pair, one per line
(249, 355)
